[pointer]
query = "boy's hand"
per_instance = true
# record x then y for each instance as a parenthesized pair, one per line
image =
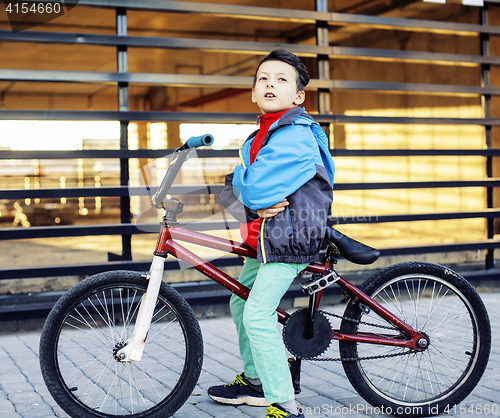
(273, 210)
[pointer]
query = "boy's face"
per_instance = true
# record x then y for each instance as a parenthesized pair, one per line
(276, 87)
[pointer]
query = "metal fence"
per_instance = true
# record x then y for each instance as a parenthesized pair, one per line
(323, 21)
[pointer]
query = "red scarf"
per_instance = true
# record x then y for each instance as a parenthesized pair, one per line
(265, 122)
(250, 232)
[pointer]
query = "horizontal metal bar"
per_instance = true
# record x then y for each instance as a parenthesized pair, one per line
(353, 119)
(118, 191)
(441, 248)
(436, 58)
(422, 88)
(68, 231)
(116, 77)
(163, 42)
(412, 25)
(247, 47)
(100, 154)
(89, 269)
(38, 305)
(481, 275)
(226, 10)
(86, 269)
(227, 117)
(302, 16)
(209, 153)
(96, 230)
(490, 182)
(132, 229)
(342, 152)
(410, 217)
(197, 80)
(136, 116)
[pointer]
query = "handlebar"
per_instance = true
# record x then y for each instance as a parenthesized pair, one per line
(180, 156)
(200, 141)
(197, 141)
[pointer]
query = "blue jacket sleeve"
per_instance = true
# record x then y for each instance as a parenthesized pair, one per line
(287, 162)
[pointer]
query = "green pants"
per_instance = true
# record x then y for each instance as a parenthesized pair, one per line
(261, 344)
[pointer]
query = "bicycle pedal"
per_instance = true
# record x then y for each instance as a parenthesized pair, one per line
(319, 282)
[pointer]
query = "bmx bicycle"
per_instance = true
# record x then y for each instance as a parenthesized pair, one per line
(414, 339)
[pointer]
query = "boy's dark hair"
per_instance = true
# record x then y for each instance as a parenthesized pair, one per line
(291, 59)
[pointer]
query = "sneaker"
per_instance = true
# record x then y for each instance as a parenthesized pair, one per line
(276, 411)
(239, 392)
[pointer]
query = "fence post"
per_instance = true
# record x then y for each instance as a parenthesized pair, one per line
(486, 105)
(122, 67)
(323, 65)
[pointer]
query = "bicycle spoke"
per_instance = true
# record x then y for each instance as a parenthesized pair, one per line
(101, 381)
(89, 326)
(430, 306)
(95, 330)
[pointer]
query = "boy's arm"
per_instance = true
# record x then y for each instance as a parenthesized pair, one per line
(273, 210)
(286, 163)
(233, 205)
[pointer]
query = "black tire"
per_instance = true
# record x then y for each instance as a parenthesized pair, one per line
(438, 302)
(91, 322)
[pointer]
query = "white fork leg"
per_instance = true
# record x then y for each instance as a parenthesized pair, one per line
(135, 347)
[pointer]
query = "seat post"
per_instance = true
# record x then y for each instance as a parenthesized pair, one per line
(309, 330)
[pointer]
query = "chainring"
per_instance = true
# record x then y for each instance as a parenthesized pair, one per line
(300, 346)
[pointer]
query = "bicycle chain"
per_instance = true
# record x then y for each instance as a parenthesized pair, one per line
(404, 353)
(357, 321)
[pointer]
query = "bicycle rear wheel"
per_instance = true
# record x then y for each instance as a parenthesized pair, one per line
(96, 318)
(445, 307)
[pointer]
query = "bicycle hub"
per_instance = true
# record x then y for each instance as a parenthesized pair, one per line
(118, 347)
(423, 343)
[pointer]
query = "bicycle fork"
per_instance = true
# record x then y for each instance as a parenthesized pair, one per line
(135, 347)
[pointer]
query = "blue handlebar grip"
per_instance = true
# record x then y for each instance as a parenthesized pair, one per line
(200, 141)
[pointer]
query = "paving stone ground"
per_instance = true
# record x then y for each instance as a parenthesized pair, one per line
(326, 391)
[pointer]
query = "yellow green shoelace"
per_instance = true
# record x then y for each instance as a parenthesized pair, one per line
(238, 381)
(273, 412)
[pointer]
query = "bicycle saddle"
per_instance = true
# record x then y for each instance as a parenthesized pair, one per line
(352, 250)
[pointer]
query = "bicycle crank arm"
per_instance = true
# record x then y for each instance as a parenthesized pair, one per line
(135, 347)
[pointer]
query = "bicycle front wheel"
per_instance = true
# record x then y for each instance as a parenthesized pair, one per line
(442, 305)
(92, 322)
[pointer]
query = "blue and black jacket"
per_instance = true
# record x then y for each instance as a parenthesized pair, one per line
(294, 162)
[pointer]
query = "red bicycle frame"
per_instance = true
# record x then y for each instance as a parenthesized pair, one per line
(166, 245)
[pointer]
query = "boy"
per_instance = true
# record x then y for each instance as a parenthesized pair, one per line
(281, 193)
